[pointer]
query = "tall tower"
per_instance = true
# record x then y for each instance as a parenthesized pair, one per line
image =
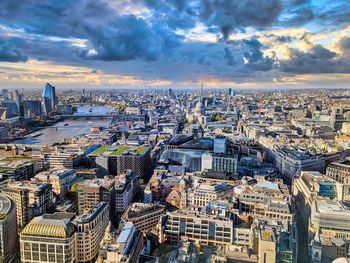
(49, 99)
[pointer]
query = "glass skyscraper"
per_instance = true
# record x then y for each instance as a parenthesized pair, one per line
(49, 99)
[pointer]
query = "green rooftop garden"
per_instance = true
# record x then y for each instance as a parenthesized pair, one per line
(119, 150)
(101, 150)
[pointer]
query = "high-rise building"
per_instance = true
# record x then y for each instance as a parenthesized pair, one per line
(32, 106)
(8, 229)
(127, 186)
(5, 93)
(32, 199)
(92, 192)
(49, 99)
(90, 230)
(49, 238)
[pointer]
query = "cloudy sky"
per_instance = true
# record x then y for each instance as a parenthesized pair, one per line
(175, 43)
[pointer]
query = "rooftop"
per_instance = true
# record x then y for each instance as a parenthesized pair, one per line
(119, 150)
(5, 206)
(55, 225)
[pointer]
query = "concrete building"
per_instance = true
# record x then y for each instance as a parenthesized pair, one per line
(9, 245)
(92, 192)
(219, 163)
(199, 227)
(49, 238)
(291, 161)
(329, 230)
(121, 158)
(126, 248)
(60, 179)
(127, 186)
(32, 199)
(90, 230)
(204, 193)
(267, 246)
(314, 185)
(16, 169)
(145, 217)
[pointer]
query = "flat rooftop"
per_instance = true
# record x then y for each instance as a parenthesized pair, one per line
(120, 150)
(332, 207)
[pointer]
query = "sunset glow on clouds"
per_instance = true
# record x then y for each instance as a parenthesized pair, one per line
(221, 43)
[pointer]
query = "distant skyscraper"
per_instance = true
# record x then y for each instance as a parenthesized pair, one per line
(5, 93)
(34, 106)
(49, 99)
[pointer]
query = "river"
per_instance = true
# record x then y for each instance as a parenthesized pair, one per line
(70, 127)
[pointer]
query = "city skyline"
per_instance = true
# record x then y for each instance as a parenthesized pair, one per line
(178, 43)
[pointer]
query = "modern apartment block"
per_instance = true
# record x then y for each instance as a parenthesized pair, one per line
(32, 199)
(9, 243)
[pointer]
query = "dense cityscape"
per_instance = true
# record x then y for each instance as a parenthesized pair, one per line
(163, 175)
(174, 131)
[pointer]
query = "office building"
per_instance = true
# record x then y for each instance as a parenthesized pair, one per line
(92, 192)
(21, 169)
(11, 106)
(199, 227)
(145, 217)
(4, 134)
(329, 230)
(314, 185)
(31, 197)
(220, 145)
(122, 158)
(219, 163)
(126, 248)
(33, 107)
(9, 243)
(49, 99)
(204, 193)
(49, 238)
(90, 230)
(127, 186)
(60, 179)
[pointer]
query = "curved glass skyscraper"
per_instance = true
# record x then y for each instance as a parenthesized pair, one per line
(49, 99)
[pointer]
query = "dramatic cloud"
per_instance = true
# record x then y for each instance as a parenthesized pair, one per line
(236, 15)
(169, 41)
(9, 52)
